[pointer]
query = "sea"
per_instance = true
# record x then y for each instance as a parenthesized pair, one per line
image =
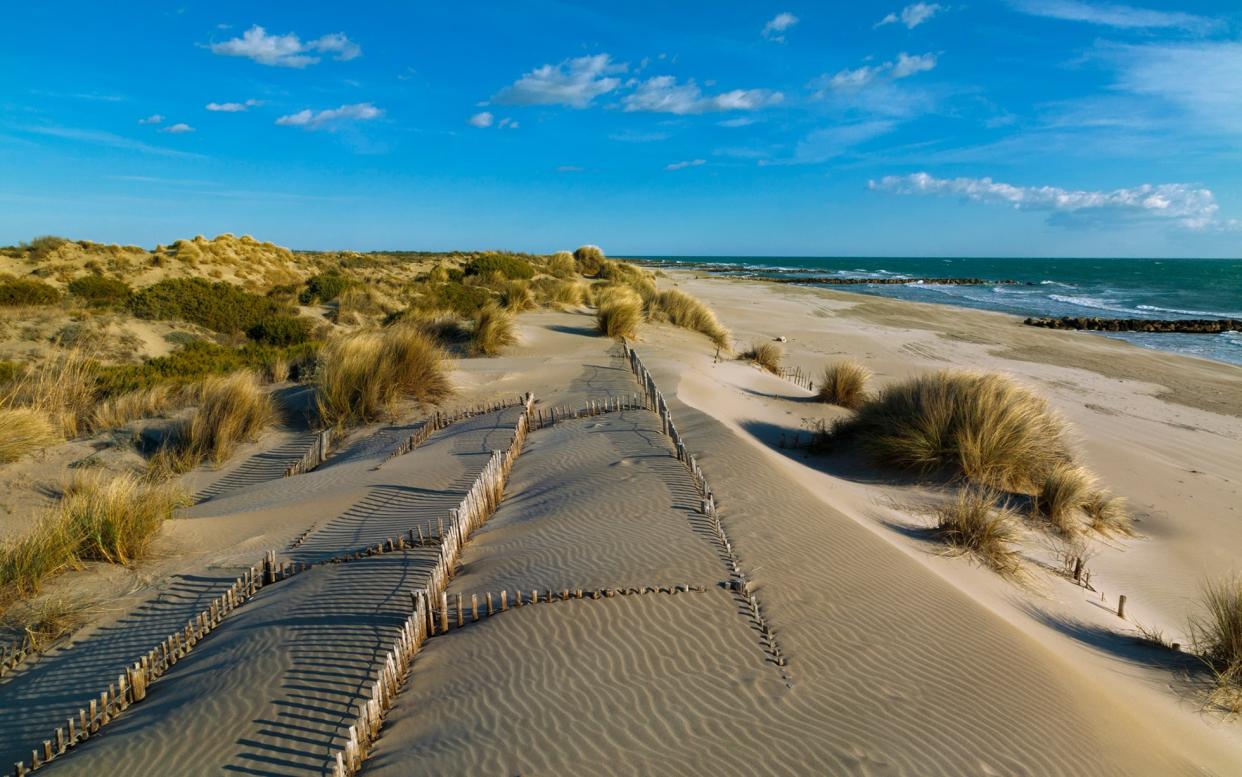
(1105, 288)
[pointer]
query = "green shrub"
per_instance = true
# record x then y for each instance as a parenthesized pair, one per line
(512, 267)
(281, 330)
(26, 291)
(42, 246)
(100, 291)
(459, 298)
(324, 287)
(197, 360)
(220, 306)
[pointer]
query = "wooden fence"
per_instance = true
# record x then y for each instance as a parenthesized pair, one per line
(440, 420)
(131, 686)
(796, 376)
(315, 455)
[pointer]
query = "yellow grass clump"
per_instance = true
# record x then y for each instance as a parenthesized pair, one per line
(101, 517)
(1107, 513)
(1060, 499)
(620, 312)
(361, 376)
(231, 409)
(589, 259)
(683, 310)
(150, 402)
(973, 523)
(766, 355)
(844, 383)
(24, 430)
(570, 293)
(1217, 634)
(517, 297)
(62, 387)
(562, 265)
(985, 426)
(493, 330)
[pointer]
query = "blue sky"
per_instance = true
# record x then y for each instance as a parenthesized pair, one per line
(1010, 128)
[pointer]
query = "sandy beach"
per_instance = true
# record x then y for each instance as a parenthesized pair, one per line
(897, 659)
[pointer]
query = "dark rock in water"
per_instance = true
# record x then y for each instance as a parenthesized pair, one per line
(1197, 326)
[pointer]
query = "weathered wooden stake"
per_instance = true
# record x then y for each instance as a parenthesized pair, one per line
(1121, 606)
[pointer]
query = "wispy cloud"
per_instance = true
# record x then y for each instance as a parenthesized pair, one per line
(180, 128)
(154, 118)
(330, 118)
(1199, 80)
(631, 136)
(286, 50)
(232, 107)
(912, 15)
(904, 66)
(574, 82)
(739, 121)
(481, 119)
(684, 164)
(1187, 205)
(569, 169)
(1114, 15)
(109, 140)
(778, 25)
(663, 94)
(831, 142)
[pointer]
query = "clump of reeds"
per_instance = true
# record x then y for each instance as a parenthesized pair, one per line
(589, 259)
(517, 297)
(1107, 513)
(62, 387)
(24, 430)
(101, 517)
(844, 383)
(982, 425)
(114, 518)
(620, 312)
(683, 310)
(562, 265)
(493, 330)
(361, 376)
(973, 523)
(767, 355)
(1061, 496)
(231, 409)
(1217, 635)
(569, 292)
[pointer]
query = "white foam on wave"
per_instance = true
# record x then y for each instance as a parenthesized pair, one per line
(1211, 313)
(1089, 302)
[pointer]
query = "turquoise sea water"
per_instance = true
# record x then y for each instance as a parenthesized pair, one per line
(1107, 288)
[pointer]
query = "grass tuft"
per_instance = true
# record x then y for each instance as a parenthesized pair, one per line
(361, 376)
(844, 383)
(231, 409)
(1217, 635)
(984, 426)
(1107, 513)
(493, 330)
(24, 430)
(1061, 496)
(620, 312)
(972, 523)
(685, 311)
(766, 355)
(589, 259)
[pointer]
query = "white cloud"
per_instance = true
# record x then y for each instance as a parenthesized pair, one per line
(330, 118)
(912, 15)
(776, 27)
(574, 82)
(483, 119)
(286, 50)
(662, 94)
(178, 129)
(232, 107)
(1191, 207)
(685, 164)
(905, 66)
(740, 121)
(154, 118)
(1114, 15)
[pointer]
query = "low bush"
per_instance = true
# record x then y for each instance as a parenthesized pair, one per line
(766, 355)
(562, 265)
(511, 267)
(15, 292)
(41, 247)
(973, 523)
(219, 306)
(683, 310)
(844, 383)
(24, 430)
(98, 291)
(324, 287)
(281, 330)
(493, 330)
(589, 259)
(199, 359)
(981, 425)
(457, 297)
(361, 376)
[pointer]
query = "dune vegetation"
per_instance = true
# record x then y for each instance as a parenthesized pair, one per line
(361, 376)
(100, 517)
(588, 260)
(1217, 634)
(1062, 495)
(619, 313)
(493, 330)
(24, 430)
(681, 309)
(844, 383)
(972, 522)
(766, 355)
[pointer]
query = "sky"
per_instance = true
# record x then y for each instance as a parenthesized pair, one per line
(985, 128)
